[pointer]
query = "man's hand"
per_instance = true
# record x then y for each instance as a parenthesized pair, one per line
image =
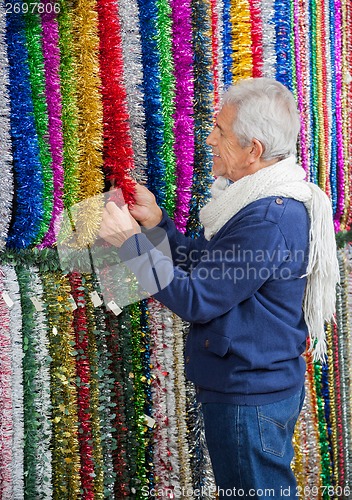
(144, 209)
(117, 224)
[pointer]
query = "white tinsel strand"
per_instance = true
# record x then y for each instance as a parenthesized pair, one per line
(169, 380)
(6, 428)
(6, 177)
(327, 88)
(11, 285)
(133, 81)
(42, 401)
(269, 37)
(180, 397)
(159, 410)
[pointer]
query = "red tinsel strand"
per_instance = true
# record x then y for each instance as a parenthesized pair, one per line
(340, 468)
(85, 436)
(215, 50)
(257, 38)
(118, 152)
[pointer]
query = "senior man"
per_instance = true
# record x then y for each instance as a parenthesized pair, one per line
(257, 282)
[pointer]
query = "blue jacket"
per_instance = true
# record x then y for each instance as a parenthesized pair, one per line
(242, 292)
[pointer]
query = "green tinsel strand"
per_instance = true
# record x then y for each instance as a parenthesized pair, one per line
(323, 440)
(33, 30)
(167, 89)
(30, 369)
(314, 92)
(101, 375)
(69, 107)
(139, 382)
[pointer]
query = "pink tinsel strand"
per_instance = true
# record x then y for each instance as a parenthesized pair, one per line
(215, 48)
(183, 117)
(257, 38)
(339, 126)
(300, 89)
(6, 428)
(53, 97)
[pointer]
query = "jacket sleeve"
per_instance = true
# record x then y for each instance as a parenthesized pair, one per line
(238, 264)
(186, 251)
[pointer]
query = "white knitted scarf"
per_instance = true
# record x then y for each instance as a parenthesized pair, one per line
(286, 179)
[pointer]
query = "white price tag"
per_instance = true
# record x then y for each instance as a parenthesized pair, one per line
(9, 302)
(72, 302)
(37, 304)
(114, 308)
(149, 421)
(95, 299)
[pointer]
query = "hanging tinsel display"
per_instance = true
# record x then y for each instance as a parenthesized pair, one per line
(94, 404)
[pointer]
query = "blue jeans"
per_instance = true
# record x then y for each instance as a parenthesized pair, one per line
(251, 448)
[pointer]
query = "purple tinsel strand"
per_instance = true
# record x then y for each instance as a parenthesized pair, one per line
(339, 131)
(300, 84)
(183, 117)
(53, 97)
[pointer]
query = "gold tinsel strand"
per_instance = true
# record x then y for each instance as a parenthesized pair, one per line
(241, 40)
(65, 448)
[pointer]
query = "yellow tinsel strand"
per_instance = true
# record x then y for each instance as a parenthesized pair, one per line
(65, 451)
(90, 115)
(241, 40)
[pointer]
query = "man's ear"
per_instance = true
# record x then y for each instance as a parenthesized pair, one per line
(256, 150)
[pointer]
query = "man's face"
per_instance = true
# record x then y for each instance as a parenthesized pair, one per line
(230, 160)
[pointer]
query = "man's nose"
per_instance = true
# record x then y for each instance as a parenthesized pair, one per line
(211, 139)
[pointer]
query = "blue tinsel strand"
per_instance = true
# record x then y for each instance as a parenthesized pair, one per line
(28, 212)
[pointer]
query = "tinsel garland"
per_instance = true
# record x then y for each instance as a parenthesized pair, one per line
(133, 83)
(333, 126)
(300, 34)
(227, 42)
(152, 98)
(11, 285)
(118, 153)
(183, 117)
(340, 172)
(269, 37)
(6, 405)
(90, 114)
(6, 179)
(242, 65)
(102, 390)
(180, 404)
(163, 456)
(346, 115)
(257, 38)
(28, 212)
(37, 406)
(33, 32)
(326, 471)
(348, 253)
(167, 93)
(63, 385)
(341, 344)
(147, 371)
(215, 52)
(283, 28)
(347, 58)
(68, 85)
(219, 9)
(83, 378)
(140, 479)
(118, 394)
(53, 96)
(328, 377)
(203, 111)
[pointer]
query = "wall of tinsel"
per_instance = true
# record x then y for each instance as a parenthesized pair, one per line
(93, 405)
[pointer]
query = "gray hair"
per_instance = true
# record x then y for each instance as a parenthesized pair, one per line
(265, 110)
